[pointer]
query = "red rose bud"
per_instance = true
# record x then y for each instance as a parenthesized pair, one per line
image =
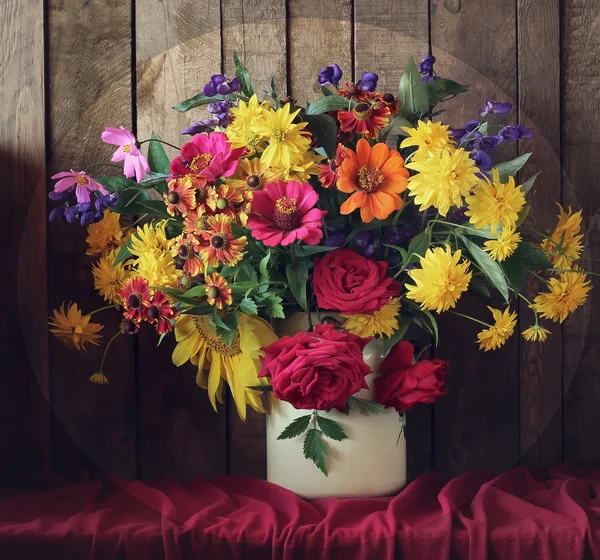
(348, 282)
(404, 384)
(316, 370)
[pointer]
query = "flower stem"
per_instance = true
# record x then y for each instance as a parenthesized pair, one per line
(470, 318)
(160, 142)
(107, 347)
(102, 309)
(142, 217)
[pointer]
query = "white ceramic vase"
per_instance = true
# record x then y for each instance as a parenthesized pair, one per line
(370, 462)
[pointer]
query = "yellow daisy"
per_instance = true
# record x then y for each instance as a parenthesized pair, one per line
(74, 329)
(109, 279)
(440, 281)
(493, 203)
(104, 235)
(503, 247)
(381, 323)
(535, 333)
(427, 137)
(251, 175)
(286, 138)
(443, 179)
(563, 246)
(301, 168)
(565, 294)
(237, 365)
(497, 334)
(241, 132)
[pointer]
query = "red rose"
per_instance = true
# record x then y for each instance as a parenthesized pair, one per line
(403, 384)
(316, 370)
(348, 282)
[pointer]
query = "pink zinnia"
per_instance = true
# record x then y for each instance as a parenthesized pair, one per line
(84, 184)
(135, 162)
(284, 212)
(208, 155)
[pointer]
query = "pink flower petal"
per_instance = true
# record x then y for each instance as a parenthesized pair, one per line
(119, 155)
(129, 167)
(314, 215)
(95, 186)
(288, 238)
(262, 204)
(63, 174)
(82, 193)
(118, 136)
(65, 184)
(202, 143)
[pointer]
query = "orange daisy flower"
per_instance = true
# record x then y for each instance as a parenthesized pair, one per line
(375, 175)
(195, 222)
(206, 196)
(391, 102)
(219, 245)
(181, 197)
(185, 251)
(352, 91)
(217, 292)
(365, 119)
(227, 198)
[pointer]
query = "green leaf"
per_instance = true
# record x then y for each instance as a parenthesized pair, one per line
(526, 186)
(512, 167)
(129, 201)
(173, 229)
(467, 229)
(515, 271)
(261, 388)
(274, 92)
(404, 321)
(198, 101)
(226, 326)
(440, 90)
(489, 267)
(310, 250)
(243, 286)
(364, 407)
(395, 127)
(247, 305)
(324, 129)
(315, 449)
(522, 216)
(331, 429)
(297, 427)
(115, 183)
(297, 278)
(274, 308)
(154, 207)
(262, 267)
(124, 252)
(158, 160)
(326, 92)
(480, 287)
(329, 103)
(413, 94)
(196, 291)
(424, 319)
(531, 257)
(242, 74)
(419, 244)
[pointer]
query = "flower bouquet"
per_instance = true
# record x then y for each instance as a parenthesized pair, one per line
(359, 212)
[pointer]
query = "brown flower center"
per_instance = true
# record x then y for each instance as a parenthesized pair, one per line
(389, 97)
(173, 197)
(134, 301)
(200, 162)
(201, 195)
(362, 111)
(369, 179)
(285, 216)
(185, 251)
(253, 182)
(206, 331)
(218, 241)
(153, 312)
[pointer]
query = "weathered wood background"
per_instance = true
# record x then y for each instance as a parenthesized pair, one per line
(69, 68)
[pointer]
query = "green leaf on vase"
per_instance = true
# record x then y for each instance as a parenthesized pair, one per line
(296, 427)
(331, 429)
(364, 407)
(315, 449)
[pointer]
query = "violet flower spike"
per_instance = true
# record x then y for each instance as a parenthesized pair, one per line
(495, 108)
(330, 75)
(368, 81)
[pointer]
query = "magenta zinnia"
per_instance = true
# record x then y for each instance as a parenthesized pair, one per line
(284, 213)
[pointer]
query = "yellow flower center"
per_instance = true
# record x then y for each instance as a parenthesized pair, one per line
(369, 179)
(82, 180)
(277, 135)
(285, 216)
(201, 223)
(214, 342)
(127, 148)
(200, 162)
(78, 330)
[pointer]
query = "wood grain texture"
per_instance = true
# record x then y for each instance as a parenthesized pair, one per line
(539, 109)
(386, 35)
(24, 408)
(320, 33)
(477, 423)
(581, 142)
(256, 30)
(89, 62)
(178, 49)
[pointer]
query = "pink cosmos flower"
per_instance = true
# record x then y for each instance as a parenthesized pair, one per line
(284, 212)
(208, 155)
(84, 184)
(135, 162)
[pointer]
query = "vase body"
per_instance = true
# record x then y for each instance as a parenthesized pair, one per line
(370, 462)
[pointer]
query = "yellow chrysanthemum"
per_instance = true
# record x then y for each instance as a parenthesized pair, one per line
(74, 329)
(535, 333)
(493, 203)
(104, 235)
(440, 281)
(497, 334)
(109, 279)
(381, 323)
(286, 138)
(565, 294)
(503, 247)
(300, 169)
(251, 175)
(564, 246)
(150, 238)
(98, 378)
(241, 132)
(237, 365)
(443, 179)
(427, 137)
(158, 268)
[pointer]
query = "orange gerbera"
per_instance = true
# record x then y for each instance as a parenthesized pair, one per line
(365, 118)
(375, 175)
(181, 196)
(219, 245)
(217, 292)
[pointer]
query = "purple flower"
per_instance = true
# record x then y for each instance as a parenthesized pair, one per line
(457, 216)
(219, 84)
(57, 214)
(487, 143)
(217, 107)
(392, 235)
(330, 75)
(495, 107)
(363, 238)
(368, 81)
(482, 159)
(514, 132)
(72, 214)
(426, 65)
(335, 240)
(427, 79)
(201, 126)
(224, 119)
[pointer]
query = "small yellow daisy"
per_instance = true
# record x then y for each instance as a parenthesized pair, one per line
(535, 333)
(497, 334)
(503, 247)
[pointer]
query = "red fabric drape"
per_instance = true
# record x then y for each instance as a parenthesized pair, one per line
(476, 516)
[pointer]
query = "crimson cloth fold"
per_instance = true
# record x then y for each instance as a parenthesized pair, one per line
(473, 516)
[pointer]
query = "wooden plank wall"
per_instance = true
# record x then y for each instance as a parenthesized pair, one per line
(71, 67)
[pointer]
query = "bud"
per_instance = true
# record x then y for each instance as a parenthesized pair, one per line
(173, 197)
(389, 97)
(213, 292)
(222, 203)
(129, 327)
